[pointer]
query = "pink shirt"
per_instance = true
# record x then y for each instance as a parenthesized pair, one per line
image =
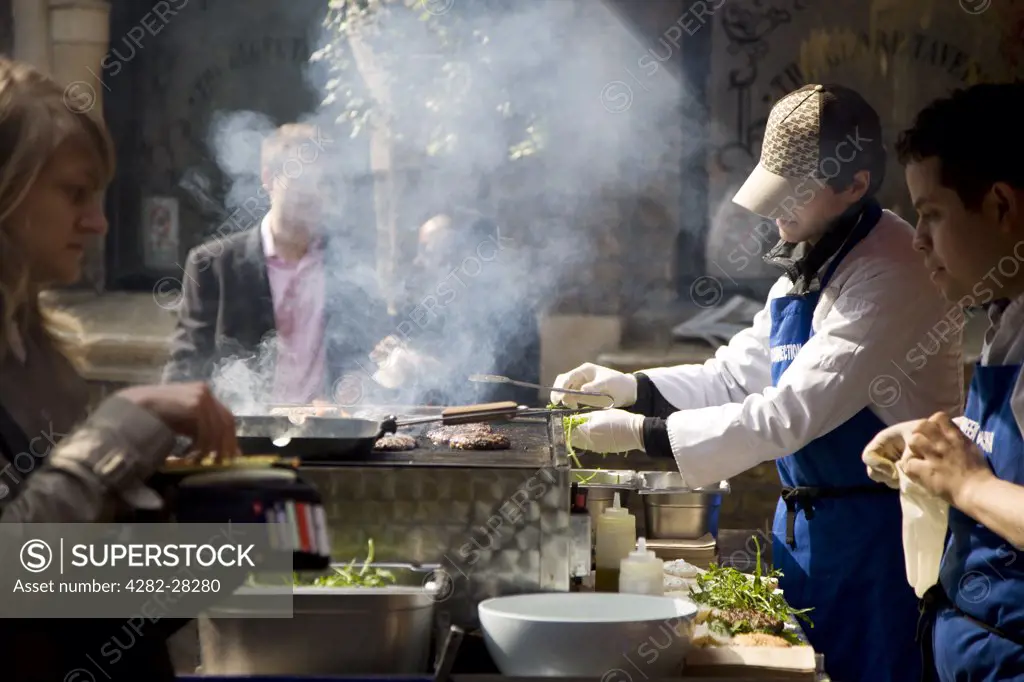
(297, 290)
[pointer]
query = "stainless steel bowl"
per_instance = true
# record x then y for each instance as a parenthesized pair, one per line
(686, 516)
(333, 631)
(674, 512)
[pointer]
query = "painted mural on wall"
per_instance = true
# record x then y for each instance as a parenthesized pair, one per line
(899, 57)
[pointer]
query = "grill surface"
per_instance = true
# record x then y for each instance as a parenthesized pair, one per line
(531, 440)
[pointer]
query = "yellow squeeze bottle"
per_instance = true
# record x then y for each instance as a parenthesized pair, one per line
(616, 538)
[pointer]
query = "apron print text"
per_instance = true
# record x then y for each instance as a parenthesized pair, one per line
(785, 352)
(972, 430)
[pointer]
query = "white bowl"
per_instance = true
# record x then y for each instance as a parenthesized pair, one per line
(603, 635)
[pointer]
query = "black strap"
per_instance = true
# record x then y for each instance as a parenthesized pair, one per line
(803, 497)
(936, 599)
(13, 440)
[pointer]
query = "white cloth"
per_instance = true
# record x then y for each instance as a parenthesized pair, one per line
(925, 520)
(876, 344)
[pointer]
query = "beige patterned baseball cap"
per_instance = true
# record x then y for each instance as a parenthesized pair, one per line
(817, 132)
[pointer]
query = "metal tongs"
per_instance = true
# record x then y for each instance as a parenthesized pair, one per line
(472, 414)
(465, 414)
(498, 379)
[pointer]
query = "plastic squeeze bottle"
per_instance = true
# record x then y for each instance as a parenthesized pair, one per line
(642, 572)
(616, 538)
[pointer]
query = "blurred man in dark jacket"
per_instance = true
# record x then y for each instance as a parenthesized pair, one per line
(465, 312)
(281, 312)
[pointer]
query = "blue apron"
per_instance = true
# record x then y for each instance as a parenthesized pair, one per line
(837, 535)
(978, 605)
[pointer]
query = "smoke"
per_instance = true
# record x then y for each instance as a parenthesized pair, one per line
(528, 114)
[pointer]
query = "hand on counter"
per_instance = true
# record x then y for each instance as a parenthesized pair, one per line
(607, 431)
(590, 377)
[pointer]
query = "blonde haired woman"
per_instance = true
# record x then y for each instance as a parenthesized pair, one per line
(54, 165)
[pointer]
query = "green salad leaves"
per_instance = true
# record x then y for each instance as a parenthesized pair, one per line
(353, 576)
(744, 603)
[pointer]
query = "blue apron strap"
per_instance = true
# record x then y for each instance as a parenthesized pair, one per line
(869, 217)
(802, 498)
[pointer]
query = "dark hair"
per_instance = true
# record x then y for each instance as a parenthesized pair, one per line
(976, 135)
(848, 117)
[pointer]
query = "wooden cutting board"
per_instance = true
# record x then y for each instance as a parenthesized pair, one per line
(790, 663)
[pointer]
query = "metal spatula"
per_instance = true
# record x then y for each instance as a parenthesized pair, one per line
(498, 379)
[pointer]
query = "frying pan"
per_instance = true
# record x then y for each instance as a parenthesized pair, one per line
(346, 438)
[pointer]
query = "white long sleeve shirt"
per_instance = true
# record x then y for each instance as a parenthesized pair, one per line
(884, 339)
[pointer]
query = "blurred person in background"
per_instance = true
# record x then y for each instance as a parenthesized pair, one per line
(290, 300)
(60, 463)
(464, 312)
(963, 168)
(811, 382)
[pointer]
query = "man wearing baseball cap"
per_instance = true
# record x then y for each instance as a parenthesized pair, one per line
(845, 346)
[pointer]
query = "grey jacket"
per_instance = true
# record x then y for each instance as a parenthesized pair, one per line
(74, 462)
(61, 465)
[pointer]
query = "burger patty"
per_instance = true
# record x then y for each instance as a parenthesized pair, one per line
(480, 441)
(443, 434)
(743, 619)
(395, 442)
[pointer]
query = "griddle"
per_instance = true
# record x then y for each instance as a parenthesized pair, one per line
(529, 439)
(343, 439)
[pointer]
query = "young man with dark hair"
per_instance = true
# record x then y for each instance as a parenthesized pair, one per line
(965, 174)
(810, 383)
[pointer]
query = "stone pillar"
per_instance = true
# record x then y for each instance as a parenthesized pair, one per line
(80, 38)
(31, 32)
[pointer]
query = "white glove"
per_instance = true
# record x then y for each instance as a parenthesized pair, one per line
(590, 377)
(885, 450)
(609, 431)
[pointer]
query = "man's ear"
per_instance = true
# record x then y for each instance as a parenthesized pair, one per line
(1004, 203)
(859, 185)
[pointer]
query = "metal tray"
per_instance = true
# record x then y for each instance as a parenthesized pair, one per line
(653, 482)
(644, 482)
(605, 478)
